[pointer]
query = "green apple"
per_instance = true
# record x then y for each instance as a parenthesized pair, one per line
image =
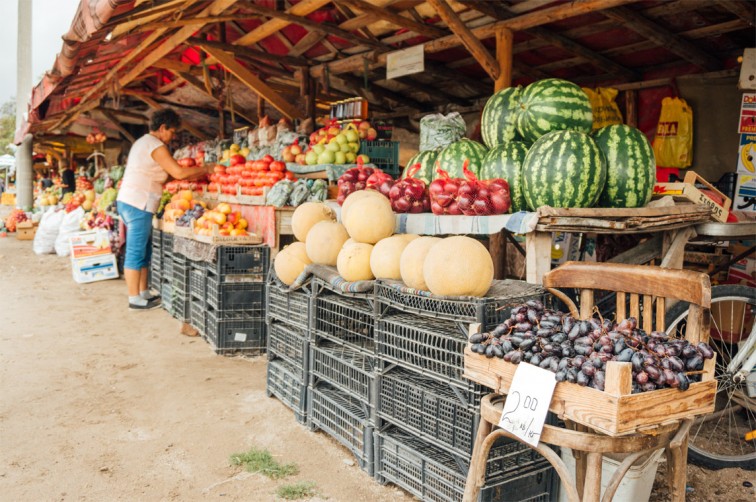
(345, 147)
(354, 146)
(342, 139)
(340, 158)
(333, 147)
(326, 157)
(352, 136)
(311, 157)
(350, 158)
(318, 149)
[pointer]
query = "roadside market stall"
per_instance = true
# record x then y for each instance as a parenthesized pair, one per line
(359, 346)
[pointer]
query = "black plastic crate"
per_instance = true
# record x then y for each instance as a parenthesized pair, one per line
(432, 347)
(435, 411)
(242, 263)
(156, 238)
(282, 382)
(344, 320)
(167, 268)
(432, 474)
(291, 307)
(180, 307)
(229, 336)
(197, 314)
(167, 242)
(166, 295)
(180, 276)
(198, 283)
(384, 154)
(290, 344)
(156, 280)
(344, 418)
(345, 368)
(488, 311)
(236, 300)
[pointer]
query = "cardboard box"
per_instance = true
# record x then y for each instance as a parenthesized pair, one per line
(25, 231)
(687, 191)
(94, 268)
(91, 243)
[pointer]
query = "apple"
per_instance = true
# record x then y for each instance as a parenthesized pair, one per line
(318, 149)
(326, 157)
(333, 131)
(340, 158)
(288, 155)
(333, 147)
(314, 138)
(311, 157)
(365, 159)
(354, 147)
(371, 134)
(301, 159)
(333, 139)
(342, 139)
(351, 136)
(350, 158)
(364, 126)
(322, 141)
(295, 149)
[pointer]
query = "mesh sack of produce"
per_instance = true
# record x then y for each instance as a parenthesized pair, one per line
(439, 131)
(410, 194)
(444, 193)
(353, 180)
(482, 198)
(380, 182)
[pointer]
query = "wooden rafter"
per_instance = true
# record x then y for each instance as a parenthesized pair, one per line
(744, 10)
(252, 81)
(157, 106)
(523, 22)
(385, 14)
(305, 44)
(274, 25)
(251, 53)
(656, 33)
(117, 124)
(470, 41)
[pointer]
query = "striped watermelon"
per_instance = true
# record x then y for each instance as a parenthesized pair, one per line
(498, 124)
(630, 166)
(563, 169)
(553, 105)
(427, 160)
(453, 156)
(505, 161)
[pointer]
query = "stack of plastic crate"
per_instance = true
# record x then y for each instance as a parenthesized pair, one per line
(166, 287)
(198, 294)
(428, 413)
(180, 302)
(288, 319)
(343, 363)
(235, 300)
(156, 263)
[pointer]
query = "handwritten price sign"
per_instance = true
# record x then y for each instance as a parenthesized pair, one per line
(528, 402)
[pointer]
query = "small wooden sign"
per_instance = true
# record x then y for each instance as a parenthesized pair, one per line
(405, 62)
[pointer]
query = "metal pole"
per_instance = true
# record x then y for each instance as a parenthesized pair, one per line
(24, 181)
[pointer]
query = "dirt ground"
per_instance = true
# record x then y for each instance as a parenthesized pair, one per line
(101, 403)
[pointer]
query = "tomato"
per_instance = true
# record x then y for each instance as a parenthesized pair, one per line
(212, 187)
(268, 159)
(219, 169)
(249, 164)
(290, 176)
(277, 166)
(246, 174)
(256, 191)
(276, 176)
(259, 182)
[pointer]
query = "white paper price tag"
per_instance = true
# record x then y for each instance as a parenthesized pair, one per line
(528, 402)
(240, 337)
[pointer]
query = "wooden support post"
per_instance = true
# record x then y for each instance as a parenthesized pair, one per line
(538, 256)
(631, 108)
(504, 39)
(497, 247)
(222, 121)
(260, 108)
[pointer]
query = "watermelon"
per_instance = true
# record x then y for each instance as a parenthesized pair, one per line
(553, 105)
(630, 166)
(498, 123)
(505, 161)
(563, 169)
(427, 160)
(453, 156)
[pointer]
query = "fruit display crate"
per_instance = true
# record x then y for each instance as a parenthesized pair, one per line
(241, 263)
(227, 337)
(180, 276)
(344, 418)
(345, 368)
(432, 347)
(291, 344)
(180, 306)
(197, 314)
(167, 268)
(156, 279)
(235, 300)
(489, 311)
(283, 383)
(291, 307)
(198, 282)
(167, 242)
(345, 320)
(434, 411)
(384, 154)
(166, 295)
(431, 474)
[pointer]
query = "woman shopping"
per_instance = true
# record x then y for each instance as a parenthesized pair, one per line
(148, 167)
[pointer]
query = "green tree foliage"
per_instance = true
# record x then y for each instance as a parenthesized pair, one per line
(7, 125)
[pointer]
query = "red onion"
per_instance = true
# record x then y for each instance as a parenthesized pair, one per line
(355, 179)
(485, 197)
(409, 194)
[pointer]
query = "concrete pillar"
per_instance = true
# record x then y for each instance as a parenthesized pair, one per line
(23, 59)
(24, 178)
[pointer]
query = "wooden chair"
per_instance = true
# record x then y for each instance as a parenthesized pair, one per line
(647, 290)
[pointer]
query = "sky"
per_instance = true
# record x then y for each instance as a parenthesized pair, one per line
(50, 20)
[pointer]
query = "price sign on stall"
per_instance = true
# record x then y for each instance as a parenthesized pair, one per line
(528, 402)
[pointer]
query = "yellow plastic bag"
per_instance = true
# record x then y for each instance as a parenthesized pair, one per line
(605, 109)
(673, 144)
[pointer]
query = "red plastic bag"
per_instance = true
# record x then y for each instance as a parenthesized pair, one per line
(444, 192)
(410, 195)
(482, 198)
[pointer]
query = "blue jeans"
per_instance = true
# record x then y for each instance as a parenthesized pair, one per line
(138, 236)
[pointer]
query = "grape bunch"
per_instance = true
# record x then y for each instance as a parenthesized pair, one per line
(185, 219)
(577, 350)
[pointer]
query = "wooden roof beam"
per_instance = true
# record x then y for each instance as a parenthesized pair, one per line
(356, 84)
(658, 34)
(157, 106)
(252, 81)
(473, 45)
(306, 43)
(117, 124)
(199, 86)
(744, 10)
(386, 14)
(274, 25)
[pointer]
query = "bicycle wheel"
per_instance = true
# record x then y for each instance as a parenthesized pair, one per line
(718, 440)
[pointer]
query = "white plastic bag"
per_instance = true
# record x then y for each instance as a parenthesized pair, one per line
(70, 226)
(47, 232)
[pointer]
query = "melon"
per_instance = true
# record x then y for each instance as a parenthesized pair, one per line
(427, 160)
(370, 219)
(384, 262)
(458, 266)
(355, 196)
(553, 104)
(505, 162)
(307, 215)
(630, 166)
(412, 260)
(291, 262)
(498, 124)
(452, 158)
(353, 262)
(324, 241)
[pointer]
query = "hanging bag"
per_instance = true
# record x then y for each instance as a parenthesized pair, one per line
(673, 144)
(604, 106)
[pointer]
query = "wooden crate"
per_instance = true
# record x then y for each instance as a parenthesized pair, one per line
(612, 411)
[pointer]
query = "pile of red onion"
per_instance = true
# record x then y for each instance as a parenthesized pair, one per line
(410, 195)
(380, 182)
(353, 180)
(469, 196)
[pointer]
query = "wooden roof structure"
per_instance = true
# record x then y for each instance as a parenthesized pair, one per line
(241, 59)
